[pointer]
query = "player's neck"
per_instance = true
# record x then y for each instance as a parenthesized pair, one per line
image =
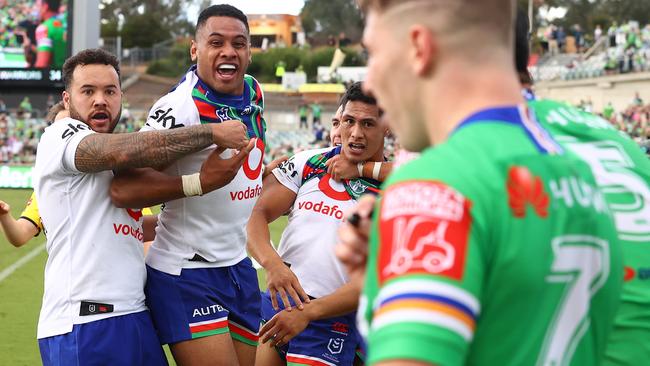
(49, 14)
(468, 88)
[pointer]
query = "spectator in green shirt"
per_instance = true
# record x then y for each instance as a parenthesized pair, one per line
(26, 105)
(316, 110)
(302, 111)
(608, 111)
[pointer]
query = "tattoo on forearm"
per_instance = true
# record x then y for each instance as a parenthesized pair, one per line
(102, 151)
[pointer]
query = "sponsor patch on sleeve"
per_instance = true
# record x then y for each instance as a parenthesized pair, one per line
(424, 228)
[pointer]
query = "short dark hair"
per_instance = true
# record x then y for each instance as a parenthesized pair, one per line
(521, 46)
(53, 4)
(354, 93)
(91, 56)
(221, 10)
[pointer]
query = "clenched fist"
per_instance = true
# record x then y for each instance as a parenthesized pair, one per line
(230, 134)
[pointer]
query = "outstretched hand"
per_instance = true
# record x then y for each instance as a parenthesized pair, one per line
(5, 208)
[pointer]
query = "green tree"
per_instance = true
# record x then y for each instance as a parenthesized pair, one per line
(143, 31)
(323, 18)
(145, 21)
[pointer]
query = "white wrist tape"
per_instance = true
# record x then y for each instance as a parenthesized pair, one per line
(192, 185)
(375, 171)
(360, 169)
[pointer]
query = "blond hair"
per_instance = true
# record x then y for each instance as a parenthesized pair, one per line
(473, 26)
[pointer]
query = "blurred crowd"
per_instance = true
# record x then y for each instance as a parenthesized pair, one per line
(628, 48)
(21, 128)
(623, 49)
(634, 120)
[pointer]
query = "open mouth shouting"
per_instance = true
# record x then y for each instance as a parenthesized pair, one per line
(357, 148)
(100, 119)
(227, 71)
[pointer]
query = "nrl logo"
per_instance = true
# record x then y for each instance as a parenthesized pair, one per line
(335, 345)
(248, 110)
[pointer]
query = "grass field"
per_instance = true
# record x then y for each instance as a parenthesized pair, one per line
(21, 291)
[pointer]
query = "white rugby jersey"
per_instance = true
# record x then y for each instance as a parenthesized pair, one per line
(308, 241)
(212, 226)
(94, 249)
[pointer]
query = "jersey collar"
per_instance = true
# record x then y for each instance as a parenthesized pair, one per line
(520, 115)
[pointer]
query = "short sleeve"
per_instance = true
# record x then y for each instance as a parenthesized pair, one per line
(31, 214)
(291, 172)
(59, 143)
(429, 271)
(43, 40)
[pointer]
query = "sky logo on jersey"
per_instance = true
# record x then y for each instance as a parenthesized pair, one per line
(526, 189)
(424, 228)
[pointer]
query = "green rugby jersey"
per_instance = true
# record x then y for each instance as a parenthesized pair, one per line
(51, 37)
(622, 171)
(494, 248)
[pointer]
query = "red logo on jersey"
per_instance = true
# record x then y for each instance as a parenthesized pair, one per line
(629, 274)
(339, 327)
(424, 228)
(325, 186)
(254, 173)
(524, 188)
(135, 214)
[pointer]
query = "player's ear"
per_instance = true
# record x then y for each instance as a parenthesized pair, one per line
(66, 99)
(193, 51)
(422, 48)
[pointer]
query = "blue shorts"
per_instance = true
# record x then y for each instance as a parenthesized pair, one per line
(121, 340)
(205, 301)
(330, 341)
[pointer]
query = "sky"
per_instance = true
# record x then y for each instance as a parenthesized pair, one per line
(256, 7)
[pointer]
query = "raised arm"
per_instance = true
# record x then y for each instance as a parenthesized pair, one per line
(98, 152)
(275, 200)
(18, 232)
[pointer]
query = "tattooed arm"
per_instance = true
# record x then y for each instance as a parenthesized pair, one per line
(134, 188)
(98, 152)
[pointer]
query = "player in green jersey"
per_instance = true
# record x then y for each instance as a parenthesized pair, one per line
(50, 36)
(623, 173)
(495, 247)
